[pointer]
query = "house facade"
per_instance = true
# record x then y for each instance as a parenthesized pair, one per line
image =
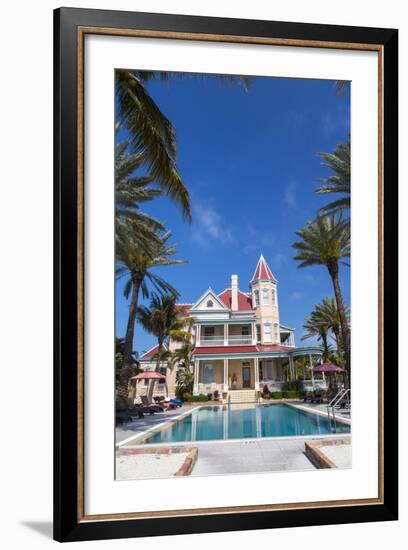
(240, 341)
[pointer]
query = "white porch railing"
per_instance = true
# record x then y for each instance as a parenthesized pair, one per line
(220, 341)
(309, 385)
(211, 341)
(236, 340)
(210, 388)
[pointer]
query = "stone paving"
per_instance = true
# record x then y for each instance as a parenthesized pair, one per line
(251, 456)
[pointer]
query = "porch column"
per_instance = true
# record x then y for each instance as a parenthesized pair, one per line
(291, 368)
(196, 376)
(198, 335)
(253, 333)
(225, 335)
(225, 375)
(256, 368)
(311, 368)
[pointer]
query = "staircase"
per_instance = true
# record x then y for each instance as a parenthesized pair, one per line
(242, 396)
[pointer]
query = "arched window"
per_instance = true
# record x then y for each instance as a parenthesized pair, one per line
(256, 293)
(265, 296)
(210, 303)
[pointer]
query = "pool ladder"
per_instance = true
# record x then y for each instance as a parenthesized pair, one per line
(340, 395)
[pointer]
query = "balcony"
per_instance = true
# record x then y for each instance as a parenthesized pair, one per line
(239, 340)
(226, 335)
(211, 341)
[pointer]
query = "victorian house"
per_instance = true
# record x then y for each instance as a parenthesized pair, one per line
(240, 341)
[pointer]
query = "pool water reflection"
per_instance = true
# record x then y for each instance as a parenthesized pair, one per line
(244, 422)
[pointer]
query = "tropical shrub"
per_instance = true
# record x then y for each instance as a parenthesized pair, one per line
(202, 398)
(276, 395)
(290, 394)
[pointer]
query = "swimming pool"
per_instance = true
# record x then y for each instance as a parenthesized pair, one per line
(244, 422)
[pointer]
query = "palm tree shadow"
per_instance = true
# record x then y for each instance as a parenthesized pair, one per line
(42, 527)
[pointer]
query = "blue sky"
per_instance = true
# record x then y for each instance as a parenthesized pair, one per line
(249, 159)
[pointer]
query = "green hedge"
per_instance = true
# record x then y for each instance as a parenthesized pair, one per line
(198, 398)
(276, 395)
(290, 394)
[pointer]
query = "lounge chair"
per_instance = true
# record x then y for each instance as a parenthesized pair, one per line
(151, 405)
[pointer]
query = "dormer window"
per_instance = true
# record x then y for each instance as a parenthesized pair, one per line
(210, 303)
(265, 296)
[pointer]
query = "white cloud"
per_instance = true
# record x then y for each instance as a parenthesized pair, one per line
(289, 194)
(209, 227)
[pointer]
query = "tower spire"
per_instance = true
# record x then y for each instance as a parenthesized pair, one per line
(262, 271)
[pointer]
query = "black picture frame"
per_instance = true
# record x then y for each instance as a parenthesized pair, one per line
(67, 525)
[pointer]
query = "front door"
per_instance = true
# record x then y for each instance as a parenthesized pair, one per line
(246, 377)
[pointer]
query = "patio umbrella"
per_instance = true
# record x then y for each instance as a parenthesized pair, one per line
(327, 367)
(330, 369)
(149, 375)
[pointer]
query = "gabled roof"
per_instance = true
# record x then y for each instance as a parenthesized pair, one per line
(209, 294)
(262, 271)
(244, 300)
(149, 354)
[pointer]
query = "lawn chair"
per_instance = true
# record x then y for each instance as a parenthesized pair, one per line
(151, 405)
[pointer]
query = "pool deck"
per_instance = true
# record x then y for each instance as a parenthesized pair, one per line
(233, 456)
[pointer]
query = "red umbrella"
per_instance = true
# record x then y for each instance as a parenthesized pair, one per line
(327, 367)
(149, 375)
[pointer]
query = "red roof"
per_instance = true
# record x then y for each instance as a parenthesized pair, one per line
(244, 301)
(184, 309)
(150, 353)
(262, 271)
(209, 350)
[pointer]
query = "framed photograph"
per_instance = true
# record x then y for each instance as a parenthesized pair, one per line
(225, 274)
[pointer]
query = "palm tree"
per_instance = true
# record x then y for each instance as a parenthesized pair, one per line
(137, 266)
(152, 136)
(130, 192)
(161, 318)
(341, 86)
(339, 181)
(123, 372)
(326, 241)
(315, 327)
(328, 313)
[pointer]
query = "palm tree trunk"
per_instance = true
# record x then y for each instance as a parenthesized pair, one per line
(333, 267)
(130, 329)
(325, 346)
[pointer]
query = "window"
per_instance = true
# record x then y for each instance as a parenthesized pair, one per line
(210, 303)
(267, 332)
(256, 297)
(208, 331)
(245, 330)
(208, 373)
(276, 331)
(269, 370)
(265, 296)
(258, 333)
(273, 297)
